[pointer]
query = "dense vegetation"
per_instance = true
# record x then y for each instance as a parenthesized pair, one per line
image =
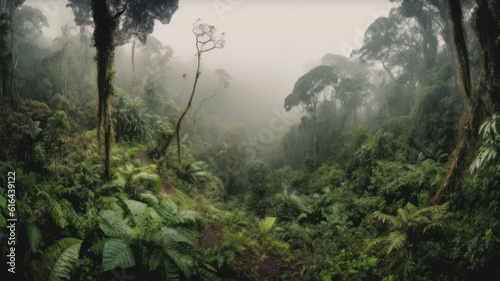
(390, 172)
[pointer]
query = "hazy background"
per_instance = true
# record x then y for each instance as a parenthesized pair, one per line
(269, 45)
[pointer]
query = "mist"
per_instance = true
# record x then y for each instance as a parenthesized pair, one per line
(267, 47)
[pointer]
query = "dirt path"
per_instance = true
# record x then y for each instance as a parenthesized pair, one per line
(144, 158)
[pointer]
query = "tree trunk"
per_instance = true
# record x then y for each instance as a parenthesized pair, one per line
(133, 60)
(105, 26)
(485, 98)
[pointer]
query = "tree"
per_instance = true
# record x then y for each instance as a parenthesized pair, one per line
(482, 100)
(64, 40)
(207, 39)
(7, 62)
(138, 19)
(307, 94)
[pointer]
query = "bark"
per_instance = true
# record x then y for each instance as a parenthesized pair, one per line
(105, 26)
(484, 99)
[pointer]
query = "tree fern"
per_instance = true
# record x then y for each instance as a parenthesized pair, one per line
(116, 253)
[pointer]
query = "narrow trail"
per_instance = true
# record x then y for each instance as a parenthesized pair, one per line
(144, 158)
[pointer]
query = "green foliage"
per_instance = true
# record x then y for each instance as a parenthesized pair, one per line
(342, 267)
(34, 237)
(61, 258)
(490, 146)
(132, 117)
(116, 253)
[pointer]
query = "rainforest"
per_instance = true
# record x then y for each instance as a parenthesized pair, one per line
(249, 140)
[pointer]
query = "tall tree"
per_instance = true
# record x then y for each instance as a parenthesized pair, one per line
(307, 94)
(7, 57)
(126, 18)
(207, 40)
(483, 99)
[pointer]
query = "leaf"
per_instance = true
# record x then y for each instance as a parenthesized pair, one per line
(266, 225)
(116, 253)
(149, 199)
(114, 225)
(34, 237)
(176, 234)
(167, 210)
(62, 256)
(155, 259)
(187, 216)
(136, 208)
(396, 240)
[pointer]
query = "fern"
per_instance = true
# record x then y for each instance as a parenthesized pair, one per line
(167, 210)
(61, 258)
(149, 199)
(116, 253)
(187, 216)
(266, 226)
(155, 259)
(114, 225)
(55, 209)
(136, 208)
(184, 262)
(396, 240)
(34, 237)
(166, 235)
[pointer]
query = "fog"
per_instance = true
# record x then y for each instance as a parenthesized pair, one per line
(269, 44)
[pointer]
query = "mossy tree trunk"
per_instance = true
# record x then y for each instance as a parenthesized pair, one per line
(483, 99)
(105, 27)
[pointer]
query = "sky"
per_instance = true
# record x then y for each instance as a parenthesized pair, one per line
(269, 43)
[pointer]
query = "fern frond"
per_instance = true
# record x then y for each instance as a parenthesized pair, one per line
(396, 241)
(116, 253)
(136, 208)
(180, 235)
(187, 216)
(184, 262)
(55, 210)
(167, 209)
(149, 199)
(61, 257)
(114, 225)
(266, 226)
(34, 237)
(155, 259)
